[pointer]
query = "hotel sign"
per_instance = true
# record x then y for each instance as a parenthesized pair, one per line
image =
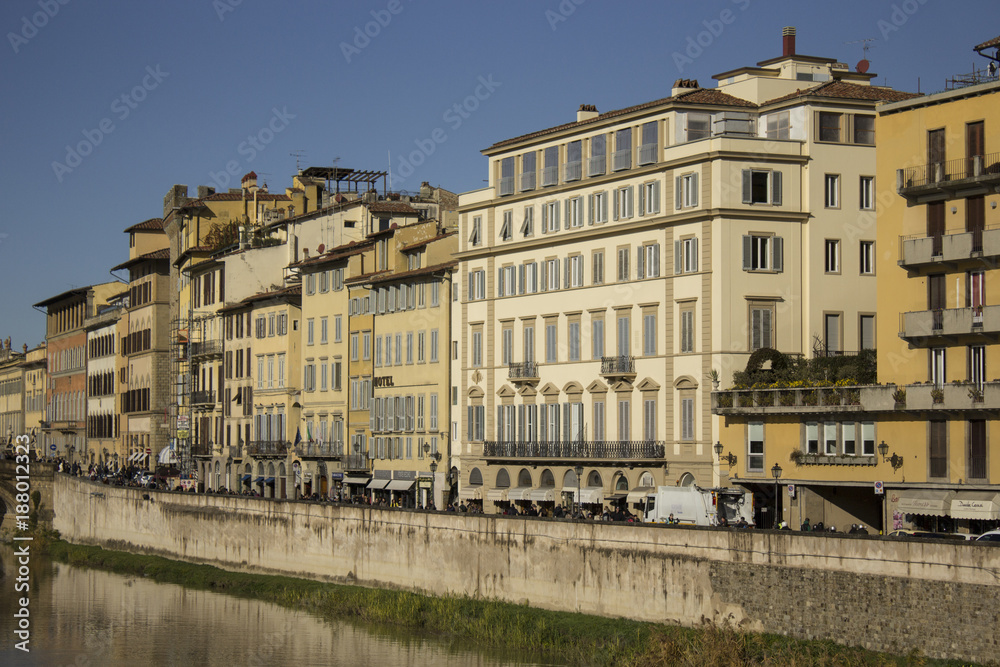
(383, 381)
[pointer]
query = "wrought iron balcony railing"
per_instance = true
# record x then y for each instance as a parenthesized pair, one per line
(267, 448)
(623, 364)
(576, 449)
(203, 398)
(522, 370)
(325, 450)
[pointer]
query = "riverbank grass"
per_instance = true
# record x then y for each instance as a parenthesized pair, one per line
(577, 639)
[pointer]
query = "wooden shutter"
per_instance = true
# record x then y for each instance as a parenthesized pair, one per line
(642, 200)
(655, 206)
(694, 254)
(747, 252)
(776, 188)
(639, 252)
(590, 209)
(678, 193)
(694, 189)
(678, 256)
(777, 254)
(747, 187)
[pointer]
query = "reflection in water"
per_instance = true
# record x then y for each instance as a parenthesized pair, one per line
(84, 617)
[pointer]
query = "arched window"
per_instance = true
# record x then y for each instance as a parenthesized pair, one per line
(475, 477)
(646, 479)
(503, 479)
(547, 480)
(594, 479)
(524, 477)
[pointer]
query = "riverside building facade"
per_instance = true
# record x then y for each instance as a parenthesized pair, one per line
(615, 265)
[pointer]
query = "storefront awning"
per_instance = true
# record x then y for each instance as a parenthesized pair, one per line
(520, 493)
(470, 493)
(269, 480)
(976, 505)
(591, 495)
(258, 480)
(496, 495)
(400, 485)
(246, 478)
(615, 497)
(931, 502)
(639, 493)
(378, 483)
(356, 480)
(543, 495)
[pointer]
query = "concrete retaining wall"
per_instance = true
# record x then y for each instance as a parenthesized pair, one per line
(882, 594)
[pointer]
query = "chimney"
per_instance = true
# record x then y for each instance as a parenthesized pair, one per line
(788, 41)
(683, 86)
(205, 191)
(586, 112)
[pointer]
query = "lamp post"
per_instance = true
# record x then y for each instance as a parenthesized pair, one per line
(729, 458)
(776, 472)
(434, 467)
(579, 473)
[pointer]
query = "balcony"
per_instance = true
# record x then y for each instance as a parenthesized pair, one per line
(596, 450)
(524, 371)
(204, 398)
(202, 449)
(527, 181)
(357, 462)
(961, 177)
(957, 396)
(619, 367)
(597, 165)
(949, 249)
(506, 185)
(950, 325)
(265, 448)
(572, 171)
(550, 176)
(326, 450)
(206, 348)
(647, 154)
(621, 160)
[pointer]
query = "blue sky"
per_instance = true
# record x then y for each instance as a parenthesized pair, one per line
(146, 94)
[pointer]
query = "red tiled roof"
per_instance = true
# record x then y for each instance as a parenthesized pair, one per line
(388, 276)
(988, 44)
(246, 196)
(694, 96)
(163, 253)
(420, 244)
(847, 91)
(365, 277)
(152, 224)
(284, 292)
(334, 254)
(392, 207)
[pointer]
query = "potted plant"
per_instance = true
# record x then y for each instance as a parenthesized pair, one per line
(899, 396)
(976, 394)
(937, 395)
(797, 456)
(713, 375)
(725, 399)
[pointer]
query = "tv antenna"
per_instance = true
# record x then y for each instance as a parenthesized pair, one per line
(298, 155)
(863, 64)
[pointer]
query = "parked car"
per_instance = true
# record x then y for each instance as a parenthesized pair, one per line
(989, 536)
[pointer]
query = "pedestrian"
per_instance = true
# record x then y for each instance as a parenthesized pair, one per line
(805, 528)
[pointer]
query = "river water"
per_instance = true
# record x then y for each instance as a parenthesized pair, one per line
(89, 618)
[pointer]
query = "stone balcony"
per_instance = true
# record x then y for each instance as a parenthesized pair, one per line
(949, 250)
(950, 325)
(961, 177)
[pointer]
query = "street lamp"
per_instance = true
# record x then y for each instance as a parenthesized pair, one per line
(434, 467)
(896, 461)
(776, 472)
(579, 473)
(730, 458)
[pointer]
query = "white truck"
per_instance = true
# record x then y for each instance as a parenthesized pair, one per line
(692, 505)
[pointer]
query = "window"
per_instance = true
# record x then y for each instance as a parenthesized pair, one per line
(270, 322)
(506, 176)
(432, 416)
(937, 446)
(812, 438)
(977, 449)
(421, 347)
(507, 228)
(867, 333)
(529, 343)
(761, 187)
(831, 256)
(648, 261)
(686, 255)
(937, 358)
(598, 155)
(867, 193)
(434, 346)
(687, 415)
(867, 258)
(623, 149)
(650, 142)
(399, 349)
(687, 328)
(649, 418)
(506, 281)
(477, 285)
(624, 198)
(830, 439)
(309, 331)
(598, 205)
(366, 345)
(322, 375)
(755, 447)
(435, 294)
(847, 431)
(476, 237)
(477, 348)
(528, 171)
(762, 253)
(324, 282)
(864, 130)
(686, 190)
(649, 334)
(597, 337)
(761, 325)
(311, 283)
(698, 126)
(529, 278)
(574, 271)
(476, 422)
(550, 217)
(624, 335)
(829, 126)
(409, 347)
(354, 347)
(777, 125)
(623, 264)
(551, 343)
(337, 329)
(649, 198)
(550, 172)
(574, 212)
(574, 161)
(378, 351)
(597, 267)
(323, 327)
(624, 420)
(831, 190)
(528, 226)
(868, 438)
(507, 345)
(574, 341)
(977, 365)
(550, 279)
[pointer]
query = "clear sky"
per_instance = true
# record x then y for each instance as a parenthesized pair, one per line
(105, 105)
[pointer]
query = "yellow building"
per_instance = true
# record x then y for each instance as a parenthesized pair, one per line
(12, 377)
(35, 385)
(912, 452)
(614, 265)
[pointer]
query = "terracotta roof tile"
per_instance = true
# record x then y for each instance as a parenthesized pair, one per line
(420, 244)
(163, 253)
(392, 207)
(847, 91)
(152, 224)
(988, 44)
(334, 254)
(246, 196)
(388, 276)
(695, 96)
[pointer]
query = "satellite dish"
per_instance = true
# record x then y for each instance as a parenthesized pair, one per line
(862, 66)
(321, 248)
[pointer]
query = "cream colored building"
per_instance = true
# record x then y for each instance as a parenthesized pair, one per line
(35, 385)
(614, 264)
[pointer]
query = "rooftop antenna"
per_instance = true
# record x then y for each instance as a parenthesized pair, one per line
(298, 155)
(863, 64)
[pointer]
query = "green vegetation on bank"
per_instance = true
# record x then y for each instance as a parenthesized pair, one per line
(573, 638)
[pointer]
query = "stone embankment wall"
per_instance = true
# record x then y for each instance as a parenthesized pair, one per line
(886, 595)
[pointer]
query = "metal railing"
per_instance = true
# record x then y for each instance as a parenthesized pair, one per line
(597, 165)
(206, 347)
(326, 450)
(941, 173)
(356, 461)
(622, 160)
(647, 154)
(572, 171)
(203, 397)
(522, 370)
(202, 449)
(576, 449)
(550, 176)
(621, 364)
(267, 448)
(527, 181)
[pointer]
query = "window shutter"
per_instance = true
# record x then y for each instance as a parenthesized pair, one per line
(765, 328)
(566, 208)
(630, 194)
(556, 276)
(545, 276)
(604, 206)
(642, 200)
(617, 195)
(500, 433)
(747, 248)
(678, 257)
(500, 282)
(776, 188)
(656, 260)
(638, 262)
(521, 270)
(567, 426)
(694, 254)
(567, 268)
(590, 209)
(555, 420)
(747, 187)
(694, 189)
(543, 433)
(777, 260)
(655, 206)
(545, 218)
(468, 419)
(555, 222)
(679, 193)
